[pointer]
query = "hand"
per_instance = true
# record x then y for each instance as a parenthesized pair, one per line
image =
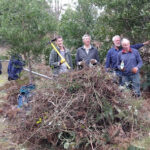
(93, 61)
(123, 69)
(62, 61)
(135, 70)
(0, 72)
(146, 43)
(82, 63)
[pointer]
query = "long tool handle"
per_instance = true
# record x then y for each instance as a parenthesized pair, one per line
(60, 55)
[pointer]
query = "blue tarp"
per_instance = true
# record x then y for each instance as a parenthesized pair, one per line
(25, 94)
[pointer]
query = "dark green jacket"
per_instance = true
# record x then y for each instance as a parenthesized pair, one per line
(54, 60)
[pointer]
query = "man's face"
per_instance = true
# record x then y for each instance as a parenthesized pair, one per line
(117, 41)
(126, 46)
(87, 41)
(59, 42)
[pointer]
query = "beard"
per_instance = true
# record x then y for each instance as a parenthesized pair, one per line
(119, 46)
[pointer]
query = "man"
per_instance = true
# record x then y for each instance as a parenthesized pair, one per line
(111, 58)
(0, 68)
(87, 55)
(58, 65)
(130, 62)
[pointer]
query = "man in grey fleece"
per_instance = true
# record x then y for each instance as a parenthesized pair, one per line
(55, 61)
(87, 55)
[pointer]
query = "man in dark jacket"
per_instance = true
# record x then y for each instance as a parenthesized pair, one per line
(87, 54)
(129, 62)
(58, 65)
(0, 68)
(111, 58)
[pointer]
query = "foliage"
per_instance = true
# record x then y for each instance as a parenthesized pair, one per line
(24, 23)
(128, 18)
(75, 23)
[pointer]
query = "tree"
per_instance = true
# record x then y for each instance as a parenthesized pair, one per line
(24, 24)
(129, 18)
(75, 23)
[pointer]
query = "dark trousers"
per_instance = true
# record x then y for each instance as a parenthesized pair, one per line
(132, 82)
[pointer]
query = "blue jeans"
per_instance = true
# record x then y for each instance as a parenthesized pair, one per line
(133, 82)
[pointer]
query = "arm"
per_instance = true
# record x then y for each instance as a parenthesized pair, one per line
(108, 59)
(77, 57)
(137, 46)
(119, 61)
(70, 59)
(139, 60)
(97, 57)
(52, 59)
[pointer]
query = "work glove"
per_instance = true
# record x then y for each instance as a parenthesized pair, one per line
(62, 61)
(135, 70)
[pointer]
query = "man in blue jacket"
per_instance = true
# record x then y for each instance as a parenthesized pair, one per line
(129, 62)
(87, 55)
(111, 58)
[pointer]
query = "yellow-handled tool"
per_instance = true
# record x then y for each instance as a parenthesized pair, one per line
(62, 58)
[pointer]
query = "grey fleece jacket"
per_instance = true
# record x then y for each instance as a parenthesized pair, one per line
(54, 60)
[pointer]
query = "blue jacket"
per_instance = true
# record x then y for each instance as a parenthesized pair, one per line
(82, 55)
(131, 59)
(15, 67)
(111, 58)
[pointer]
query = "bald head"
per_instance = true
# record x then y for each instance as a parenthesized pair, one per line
(125, 44)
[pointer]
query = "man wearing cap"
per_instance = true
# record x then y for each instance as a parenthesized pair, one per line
(87, 55)
(129, 63)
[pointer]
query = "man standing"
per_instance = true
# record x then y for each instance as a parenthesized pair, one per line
(58, 65)
(87, 54)
(130, 62)
(0, 68)
(111, 58)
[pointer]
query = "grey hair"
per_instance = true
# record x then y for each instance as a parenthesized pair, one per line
(125, 40)
(116, 36)
(85, 36)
